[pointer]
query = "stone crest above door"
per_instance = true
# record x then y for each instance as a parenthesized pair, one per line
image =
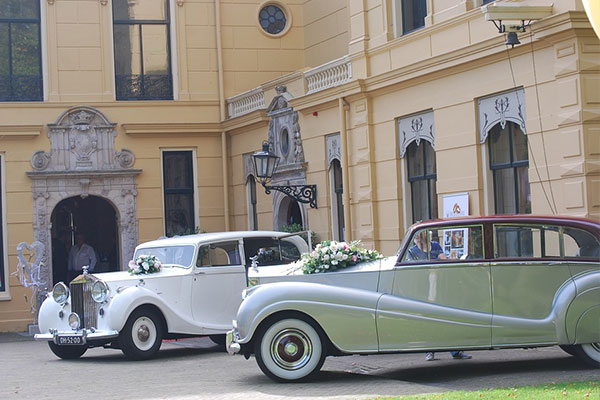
(82, 161)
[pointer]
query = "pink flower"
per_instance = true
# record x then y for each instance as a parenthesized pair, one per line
(354, 257)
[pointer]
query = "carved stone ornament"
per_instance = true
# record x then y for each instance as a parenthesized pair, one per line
(82, 161)
(333, 148)
(497, 109)
(414, 129)
(248, 166)
(280, 101)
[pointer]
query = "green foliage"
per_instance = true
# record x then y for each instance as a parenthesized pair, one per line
(331, 255)
(292, 228)
(188, 231)
(567, 391)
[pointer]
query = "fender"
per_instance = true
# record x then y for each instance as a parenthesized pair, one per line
(336, 309)
(48, 316)
(122, 305)
(571, 303)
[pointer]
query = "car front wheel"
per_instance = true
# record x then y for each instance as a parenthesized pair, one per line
(589, 353)
(142, 335)
(67, 352)
(289, 350)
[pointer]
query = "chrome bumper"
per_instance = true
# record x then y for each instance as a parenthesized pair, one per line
(230, 343)
(86, 334)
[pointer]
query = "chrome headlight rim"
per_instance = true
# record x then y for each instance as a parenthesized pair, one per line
(100, 291)
(74, 321)
(60, 293)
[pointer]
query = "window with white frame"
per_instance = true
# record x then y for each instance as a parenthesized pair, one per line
(509, 162)
(141, 31)
(502, 128)
(336, 186)
(422, 177)
(416, 140)
(251, 201)
(413, 13)
(178, 186)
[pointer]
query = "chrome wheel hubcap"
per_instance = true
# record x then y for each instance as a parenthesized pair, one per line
(143, 333)
(291, 349)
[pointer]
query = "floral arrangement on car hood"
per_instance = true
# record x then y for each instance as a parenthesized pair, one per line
(144, 265)
(330, 255)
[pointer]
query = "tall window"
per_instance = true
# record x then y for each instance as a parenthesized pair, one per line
(20, 51)
(509, 163)
(413, 14)
(422, 178)
(142, 50)
(178, 176)
(337, 206)
(251, 197)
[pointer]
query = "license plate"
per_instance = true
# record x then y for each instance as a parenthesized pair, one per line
(70, 340)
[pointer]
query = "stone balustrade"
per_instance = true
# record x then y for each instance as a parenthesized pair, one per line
(246, 102)
(328, 75)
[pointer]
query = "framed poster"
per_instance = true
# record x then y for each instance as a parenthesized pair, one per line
(456, 241)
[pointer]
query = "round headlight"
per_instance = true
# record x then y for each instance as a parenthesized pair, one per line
(99, 291)
(60, 293)
(74, 320)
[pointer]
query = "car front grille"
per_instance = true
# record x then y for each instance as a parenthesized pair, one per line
(82, 303)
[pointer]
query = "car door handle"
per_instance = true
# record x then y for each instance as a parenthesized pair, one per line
(199, 273)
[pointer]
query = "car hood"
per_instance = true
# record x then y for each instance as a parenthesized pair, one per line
(385, 263)
(124, 276)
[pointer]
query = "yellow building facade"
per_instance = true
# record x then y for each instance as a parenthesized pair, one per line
(128, 120)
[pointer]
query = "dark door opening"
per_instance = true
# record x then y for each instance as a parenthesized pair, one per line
(97, 220)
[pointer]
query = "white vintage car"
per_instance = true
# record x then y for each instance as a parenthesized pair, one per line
(196, 293)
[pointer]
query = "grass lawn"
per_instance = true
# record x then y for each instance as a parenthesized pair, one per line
(568, 391)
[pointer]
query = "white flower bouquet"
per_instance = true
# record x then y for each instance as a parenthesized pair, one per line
(144, 264)
(331, 256)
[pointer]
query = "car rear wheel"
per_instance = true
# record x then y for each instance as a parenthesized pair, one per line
(570, 349)
(588, 353)
(142, 335)
(289, 350)
(67, 352)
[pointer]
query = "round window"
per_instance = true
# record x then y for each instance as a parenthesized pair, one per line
(272, 19)
(285, 142)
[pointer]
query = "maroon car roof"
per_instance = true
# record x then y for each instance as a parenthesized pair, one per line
(583, 223)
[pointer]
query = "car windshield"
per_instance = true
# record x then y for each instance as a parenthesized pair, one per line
(170, 255)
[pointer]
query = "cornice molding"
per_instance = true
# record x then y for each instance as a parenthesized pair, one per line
(20, 131)
(177, 129)
(319, 99)
(256, 117)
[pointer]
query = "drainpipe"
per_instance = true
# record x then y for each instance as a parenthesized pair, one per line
(222, 114)
(225, 179)
(343, 104)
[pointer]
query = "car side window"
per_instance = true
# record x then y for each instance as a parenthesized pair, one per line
(580, 244)
(289, 252)
(526, 241)
(219, 254)
(449, 243)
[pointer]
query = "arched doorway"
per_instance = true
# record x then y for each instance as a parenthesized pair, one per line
(289, 213)
(97, 219)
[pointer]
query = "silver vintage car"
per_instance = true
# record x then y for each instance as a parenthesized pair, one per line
(470, 283)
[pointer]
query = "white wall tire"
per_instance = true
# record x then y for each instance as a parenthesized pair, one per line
(142, 335)
(589, 353)
(289, 350)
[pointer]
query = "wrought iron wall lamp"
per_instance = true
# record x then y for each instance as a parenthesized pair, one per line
(265, 163)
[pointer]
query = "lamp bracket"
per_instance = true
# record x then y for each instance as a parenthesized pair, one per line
(303, 193)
